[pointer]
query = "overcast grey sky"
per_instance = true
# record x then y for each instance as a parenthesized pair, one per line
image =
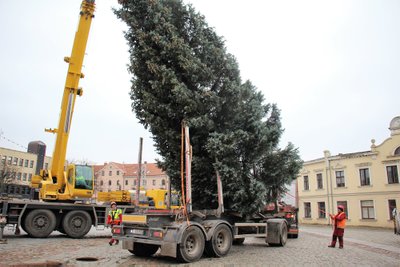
(332, 67)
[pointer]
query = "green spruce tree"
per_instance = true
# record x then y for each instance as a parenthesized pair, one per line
(182, 72)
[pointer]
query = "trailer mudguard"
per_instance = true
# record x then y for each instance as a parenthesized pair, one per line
(173, 237)
(210, 225)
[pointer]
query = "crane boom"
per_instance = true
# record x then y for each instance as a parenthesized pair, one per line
(54, 184)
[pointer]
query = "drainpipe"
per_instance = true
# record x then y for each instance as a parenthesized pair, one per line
(327, 154)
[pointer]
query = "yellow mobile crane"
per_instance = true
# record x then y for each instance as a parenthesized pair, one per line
(77, 182)
(59, 188)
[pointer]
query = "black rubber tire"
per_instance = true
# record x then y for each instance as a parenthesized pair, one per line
(220, 242)
(77, 223)
(283, 233)
(143, 250)
(238, 241)
(192, 244)
(39, 223)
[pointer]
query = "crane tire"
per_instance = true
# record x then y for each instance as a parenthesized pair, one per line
(39, 223)
(77, 223)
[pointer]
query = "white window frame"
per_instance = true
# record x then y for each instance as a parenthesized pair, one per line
(387, 203)
(322, 180)
(373, 204)
(398, 172)
(370, 176)
(344, 177)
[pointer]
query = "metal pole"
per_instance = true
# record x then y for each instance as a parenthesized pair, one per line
(139, 171)
(188, 171)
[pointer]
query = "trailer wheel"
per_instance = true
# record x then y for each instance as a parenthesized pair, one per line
(283, 232)
(220, 242)
(238, 241)
(76, 223)
(39, 223)
(192, 243)
(143, 250)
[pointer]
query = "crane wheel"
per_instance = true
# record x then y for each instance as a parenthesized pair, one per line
(77, 223)
(39, 223)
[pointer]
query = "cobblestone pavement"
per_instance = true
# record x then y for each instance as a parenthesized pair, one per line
(363, 247)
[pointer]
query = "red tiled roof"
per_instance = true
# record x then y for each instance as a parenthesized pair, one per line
(132, 169)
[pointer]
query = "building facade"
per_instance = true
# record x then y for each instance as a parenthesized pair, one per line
(365, 183)
(114, 176)
(21, 165)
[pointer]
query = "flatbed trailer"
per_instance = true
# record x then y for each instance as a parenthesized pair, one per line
(188, 237)
(186, 234)
(40, 219)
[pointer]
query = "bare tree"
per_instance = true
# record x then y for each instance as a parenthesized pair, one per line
(7, 176)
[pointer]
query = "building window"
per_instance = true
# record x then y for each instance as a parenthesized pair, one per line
(109, 182)
(320, 185)
(21, 162)
(3, 159)
(392, 206)
(31, 165)
(134, 182)
(162, 182)
(344, 204)
(321, 210)
(19, 176)
(9, 160)
(26, 163)
(101, 183)
(397, 151)
(30, 177)
(367, 209)
(364, 177)
(117, 172)
(117, 182)
(307, 209)
(154, 182)
(392, 174)
(46, 166)
(340, 179)
(144, 183)
(306, 184)
(126, 182)
(15, 161)
(24, 177)
(110, 173)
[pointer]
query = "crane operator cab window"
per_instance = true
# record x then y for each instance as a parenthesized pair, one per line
(83, 177)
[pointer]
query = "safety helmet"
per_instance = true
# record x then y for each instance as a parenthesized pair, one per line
(113, 203)
(341, 207)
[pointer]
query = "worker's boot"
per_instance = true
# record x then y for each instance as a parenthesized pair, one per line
(116, 242)
(110, 243)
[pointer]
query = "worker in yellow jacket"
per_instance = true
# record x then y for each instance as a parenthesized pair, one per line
(114, 218)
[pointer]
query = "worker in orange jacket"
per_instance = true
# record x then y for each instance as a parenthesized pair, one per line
(114, 218)
(339, 224)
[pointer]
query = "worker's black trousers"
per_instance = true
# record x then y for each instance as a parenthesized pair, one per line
(337, 234)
